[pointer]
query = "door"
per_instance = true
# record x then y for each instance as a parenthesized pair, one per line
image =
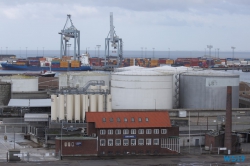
(197, 142)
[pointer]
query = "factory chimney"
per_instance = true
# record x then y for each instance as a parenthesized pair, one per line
(228, 125)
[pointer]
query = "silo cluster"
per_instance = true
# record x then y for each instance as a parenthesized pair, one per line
(72, 107)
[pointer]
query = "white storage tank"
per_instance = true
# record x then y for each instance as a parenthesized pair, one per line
(208, 89)
(100, 103)
(141, 90)
(53, 107)
(84, 105)
(92, 103)
(70, 107)
(77, 107)
(61, 107)
(22, 83)
(109, 103)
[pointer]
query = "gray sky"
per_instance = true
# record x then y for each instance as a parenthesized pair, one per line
(160, 24)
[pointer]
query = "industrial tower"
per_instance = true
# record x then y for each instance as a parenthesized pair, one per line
(113, 42)
(66, 34)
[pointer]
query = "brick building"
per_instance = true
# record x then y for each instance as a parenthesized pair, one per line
(123, 133)
(136, 133)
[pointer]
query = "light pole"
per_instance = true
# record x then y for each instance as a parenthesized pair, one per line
(233, 57)
(145, 52)
(98, 46)
(95, 51)
(153, 52)
(61, 141)
(26, 52)
(37, 51)
(205, 51)
(43, 51)
(155, 104)
(141, 52)
(209, 47)
(168, 53)
(218, 52)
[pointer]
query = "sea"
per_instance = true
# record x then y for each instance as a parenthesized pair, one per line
(244, 76)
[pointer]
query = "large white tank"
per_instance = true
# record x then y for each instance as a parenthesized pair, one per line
(70, 107)
(141, 90)
(57, 107)
(85, 105)
(61, 107)
(207, 89)
(109, 103)
(22, 83)
(100, 103)
(53, 107)
(80, 79)
(92, 105)
(77, 107)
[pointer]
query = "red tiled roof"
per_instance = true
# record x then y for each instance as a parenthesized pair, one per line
(155, 119)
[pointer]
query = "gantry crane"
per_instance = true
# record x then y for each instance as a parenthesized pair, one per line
(66, 34)
(114, 41)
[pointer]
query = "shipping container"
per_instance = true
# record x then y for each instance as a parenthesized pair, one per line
(64, 64)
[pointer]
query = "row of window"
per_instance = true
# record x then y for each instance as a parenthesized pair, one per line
(132, 131)
(125, 119)
(126, 142)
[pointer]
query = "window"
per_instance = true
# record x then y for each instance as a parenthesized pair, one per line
(102, 142)
(118, 120)
(163, 131)
(133, 131)
(140, 141)
(118, 131)
(102, 132)
(111, 119)
(146, 119)
(110, 142)
(68, 144)
(148, 141)
(156, 141)
(133, 142)
(139, 119)
(103, 119)
(110, 131)
(72, 144)
(156, 131)
(125, 131)
(148, 131)
(125, 142)
(125, 120)
(132, 119)
(141, 131)
(65, 144)
(117, 142)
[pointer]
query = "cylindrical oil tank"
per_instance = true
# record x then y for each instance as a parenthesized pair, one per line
(53, 107)
(208, 89)
(57, 107)
(70, 107)
(100, 103)
(92, 103)
(5, 93)
(109, 103)
(141, 90)
(61, 107)
(77, 107)
(85, 105)
(22, 83)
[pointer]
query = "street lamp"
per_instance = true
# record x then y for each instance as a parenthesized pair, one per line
(37, 51)
(98, 46)
(233, 57)
(141, 52)
(168, 53)
(218, 52)
(43, 51)
(145, 52)
(155, 104)
(153, 52)
(209, 47)
(26, 52)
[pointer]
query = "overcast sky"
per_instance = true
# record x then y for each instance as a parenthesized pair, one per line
(161, 24)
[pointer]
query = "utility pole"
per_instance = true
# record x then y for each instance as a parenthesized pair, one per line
(141, 52)
(98, 46)
(168, 53)
(209, 47)
(233, 57)
(153, 52)
(26, 52)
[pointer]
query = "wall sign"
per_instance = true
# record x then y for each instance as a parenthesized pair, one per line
(129, 136)
(234, 158)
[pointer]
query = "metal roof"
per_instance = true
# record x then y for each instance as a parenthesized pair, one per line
(28, 117)
(30, 103)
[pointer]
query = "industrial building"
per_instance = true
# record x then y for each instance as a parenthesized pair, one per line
(123, 133)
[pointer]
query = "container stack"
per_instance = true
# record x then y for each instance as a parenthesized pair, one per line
(64, 64)
(75, 64)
